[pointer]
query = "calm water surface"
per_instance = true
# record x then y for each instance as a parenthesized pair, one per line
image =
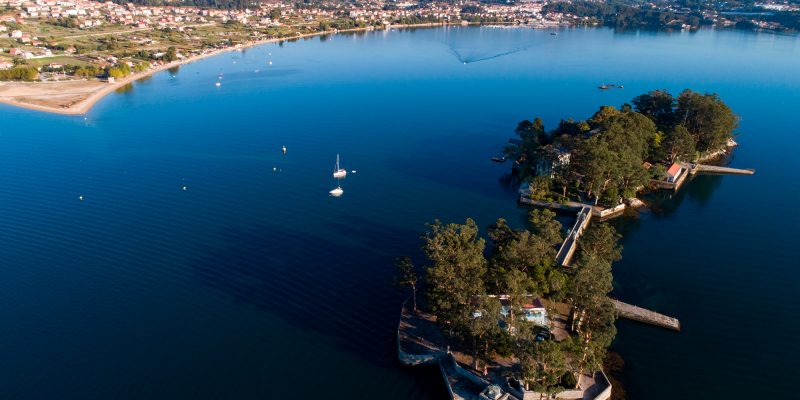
(254, 283)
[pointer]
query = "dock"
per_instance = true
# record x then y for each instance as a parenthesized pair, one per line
(567, 249)
(713, 169)
(635, 313)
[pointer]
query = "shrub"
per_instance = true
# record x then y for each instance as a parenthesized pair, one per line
(19, 74)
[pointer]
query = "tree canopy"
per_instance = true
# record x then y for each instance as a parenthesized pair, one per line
(602, 159)
(19, 74)
(707, 118)
(457, 270)
(465, 279)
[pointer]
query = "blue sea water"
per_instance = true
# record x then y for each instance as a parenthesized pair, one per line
(254, 283)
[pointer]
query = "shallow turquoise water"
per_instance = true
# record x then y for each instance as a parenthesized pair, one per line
(252, 282)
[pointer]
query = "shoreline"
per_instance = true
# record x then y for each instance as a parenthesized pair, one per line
(84, 106)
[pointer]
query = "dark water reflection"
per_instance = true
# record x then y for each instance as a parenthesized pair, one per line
(252, 280)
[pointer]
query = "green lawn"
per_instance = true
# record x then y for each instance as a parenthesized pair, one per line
(66, 60)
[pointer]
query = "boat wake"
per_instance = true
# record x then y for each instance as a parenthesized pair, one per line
(473, 59)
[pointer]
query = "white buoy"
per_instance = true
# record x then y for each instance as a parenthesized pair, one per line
(184, 188)
(353, 171)
(284, 149)
(270, 63)
(274, 169)
(80, 198)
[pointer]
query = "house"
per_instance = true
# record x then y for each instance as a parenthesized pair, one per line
(556, 159)
(532, 311)
(674, 172)
(5, 65)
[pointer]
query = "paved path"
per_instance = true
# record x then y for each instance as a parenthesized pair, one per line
(567, 250)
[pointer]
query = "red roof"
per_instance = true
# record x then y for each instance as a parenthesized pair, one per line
(674, 169)
(535, 303)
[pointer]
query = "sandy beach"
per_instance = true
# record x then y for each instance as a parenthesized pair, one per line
(76, 97)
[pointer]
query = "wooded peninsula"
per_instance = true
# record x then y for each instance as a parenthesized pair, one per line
(509, 314)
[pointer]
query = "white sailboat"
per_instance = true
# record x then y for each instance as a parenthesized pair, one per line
(336, 192)
(339, 172)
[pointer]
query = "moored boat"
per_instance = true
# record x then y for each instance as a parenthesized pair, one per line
(339, 172)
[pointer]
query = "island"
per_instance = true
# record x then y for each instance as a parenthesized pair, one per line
(617, 153)
(526, 313)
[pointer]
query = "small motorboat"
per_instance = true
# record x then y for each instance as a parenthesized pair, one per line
(500, 159)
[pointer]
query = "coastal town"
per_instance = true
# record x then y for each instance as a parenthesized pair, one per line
(61, 56)
(75, 45)
(51, 28)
